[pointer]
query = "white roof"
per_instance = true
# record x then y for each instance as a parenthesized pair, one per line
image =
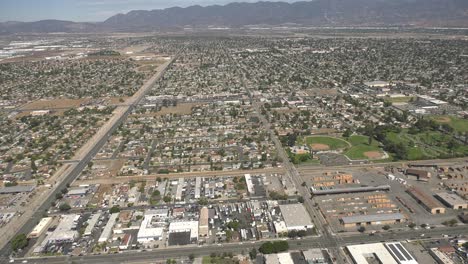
(41, 225)
(378, 250)
(285, 258)
(106, 233)
(147, 231)
(295, 215)
(185, 226)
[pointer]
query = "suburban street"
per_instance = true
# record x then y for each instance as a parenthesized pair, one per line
(86, 153)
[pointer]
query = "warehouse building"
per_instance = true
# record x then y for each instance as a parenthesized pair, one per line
(40, 227)
(374, 219)
(351, 190)
(16, 189)
(296, 217)
(452, 200)
(428, 202)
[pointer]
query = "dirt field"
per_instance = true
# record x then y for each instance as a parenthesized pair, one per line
(112, 167)
(103, 190)
(373, 154)
(319, 147)
(54, 104)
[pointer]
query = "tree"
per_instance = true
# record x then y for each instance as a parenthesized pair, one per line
(114, 209)
(64, 207)
(253, 253)
(361, 229)
(412, 225)
(19, 242)
(167, 199)
(386, 227)
(191, 257)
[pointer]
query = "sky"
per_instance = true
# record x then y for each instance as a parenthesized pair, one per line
(89, 10)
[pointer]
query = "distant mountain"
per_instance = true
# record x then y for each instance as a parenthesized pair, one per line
(46, 26)
(315, 13)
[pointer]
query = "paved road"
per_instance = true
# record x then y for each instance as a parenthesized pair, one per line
(86, 153)
(312, 242)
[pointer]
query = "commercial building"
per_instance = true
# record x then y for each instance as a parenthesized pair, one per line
(107, 231)
(428, 202)
(399, 253)
(296, 217)
(187, 227)
(65, 230)
(351, 190)
(16, 189)
(203, 227)
(452, 200)
(148, 230)
(314, 256)
(179, 190)
(40, 227)
(285, 258)
(374, 219)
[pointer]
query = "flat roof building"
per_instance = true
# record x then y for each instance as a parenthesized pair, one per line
(185, 226)
(16, 189)
(65, 230)
(352, 190)
(428, 202)
(40, 227)
(296, 217)
(374, 219)
(374, 252)
(399, 253)
(91, 224)
(452, 200)
(203, 227)
(107, 231)
(149, 232)
(314, 256)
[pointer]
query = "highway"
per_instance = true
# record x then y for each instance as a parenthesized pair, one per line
(306, 243)
(85, 154)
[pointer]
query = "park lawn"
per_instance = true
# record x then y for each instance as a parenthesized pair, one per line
(332, 142)
(360, 146)
(458, 124)
(403, 99)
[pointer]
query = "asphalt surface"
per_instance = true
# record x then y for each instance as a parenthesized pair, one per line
(68, 179)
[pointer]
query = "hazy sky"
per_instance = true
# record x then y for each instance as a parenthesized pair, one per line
(88, 10)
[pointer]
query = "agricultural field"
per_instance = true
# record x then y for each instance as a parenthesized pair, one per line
(458, 124)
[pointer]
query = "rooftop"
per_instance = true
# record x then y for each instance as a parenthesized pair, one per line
(295, 215)
(371, 218)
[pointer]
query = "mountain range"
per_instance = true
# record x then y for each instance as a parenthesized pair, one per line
(418, 13)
